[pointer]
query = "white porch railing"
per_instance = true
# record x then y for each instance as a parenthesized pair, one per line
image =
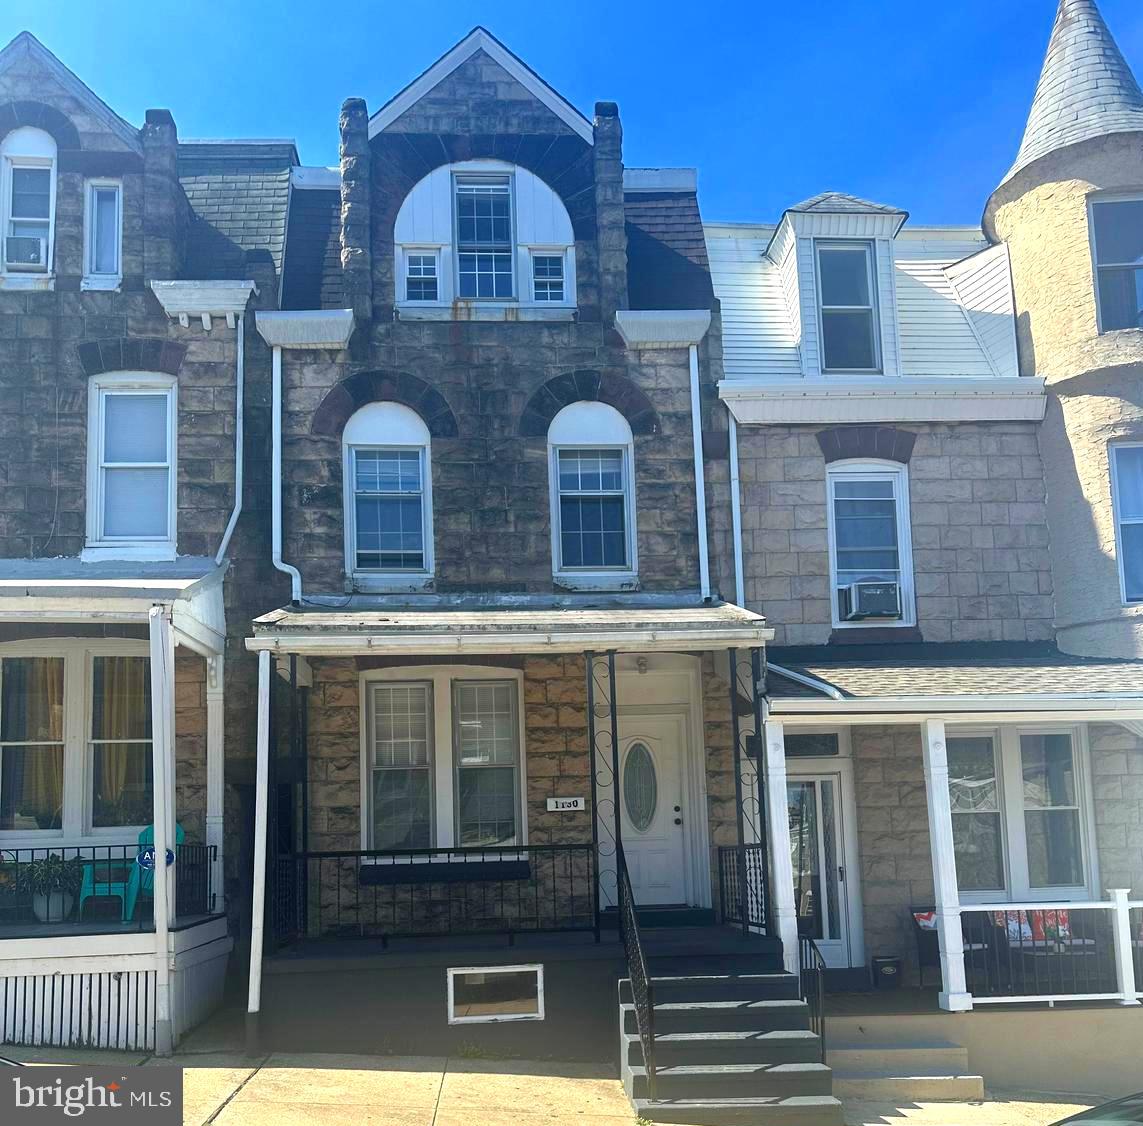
(1049, 952)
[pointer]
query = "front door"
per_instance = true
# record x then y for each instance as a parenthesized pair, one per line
(651, 804)
(818, 852)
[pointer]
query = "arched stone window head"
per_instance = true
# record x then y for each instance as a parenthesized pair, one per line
(28, 194)
(483, 232)
(591, 467)
(387, 477)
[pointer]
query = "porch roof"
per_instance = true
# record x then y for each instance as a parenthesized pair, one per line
(635, 625)
(924, 678)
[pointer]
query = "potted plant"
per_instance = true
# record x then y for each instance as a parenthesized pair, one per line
(53, 883)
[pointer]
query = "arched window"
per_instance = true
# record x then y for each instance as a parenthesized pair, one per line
(592, 475)
(487, 232)
(28, 200)
(388, 497)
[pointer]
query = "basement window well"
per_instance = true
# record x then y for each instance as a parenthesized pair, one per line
(489, 994)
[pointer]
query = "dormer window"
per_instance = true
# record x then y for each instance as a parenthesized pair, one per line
(847, 302)
(28, 190)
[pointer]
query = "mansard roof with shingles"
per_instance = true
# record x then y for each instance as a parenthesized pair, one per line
(667, 265)
(239, 194)
(1086, 88)
(313, 278)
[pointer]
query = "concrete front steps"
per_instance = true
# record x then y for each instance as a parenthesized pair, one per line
(934, 1071)
(731, 1046)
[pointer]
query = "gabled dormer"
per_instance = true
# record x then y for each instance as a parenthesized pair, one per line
(834, 254)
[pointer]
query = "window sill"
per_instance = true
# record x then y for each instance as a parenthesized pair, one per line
(388, 584)
(101, 284)
(485, 311)
(29, 281)
(598, 580)
(140, 553)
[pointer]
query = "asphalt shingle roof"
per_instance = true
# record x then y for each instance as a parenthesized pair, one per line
(313, 251)
(835, 202)
(238, 194)
(667, 266)
(1086, 88)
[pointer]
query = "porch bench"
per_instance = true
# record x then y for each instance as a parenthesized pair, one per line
(929, 945)
(444, 872)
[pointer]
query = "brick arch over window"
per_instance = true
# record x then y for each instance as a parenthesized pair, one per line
(14, 115)
(881, 443)
(346, 397)
(122, 354)
(604, 387)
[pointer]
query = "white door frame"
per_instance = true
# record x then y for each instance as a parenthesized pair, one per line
(841, 767)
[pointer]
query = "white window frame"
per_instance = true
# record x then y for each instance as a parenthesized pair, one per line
(1096, 266)
(1119, 519)
(380, 422)
(870, 249)
(98, 545)
(91, 278)
(36, 138)
(405, 253)
(872, 470)
(592, 426)
(1014, 848)
(442, 758)
(563, 254)
(504, 178)
(496, 1018)
(78, 655)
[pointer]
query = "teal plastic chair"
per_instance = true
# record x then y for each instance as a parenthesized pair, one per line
(141, 881)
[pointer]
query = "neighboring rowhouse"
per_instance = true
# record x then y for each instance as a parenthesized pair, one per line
(937, 490)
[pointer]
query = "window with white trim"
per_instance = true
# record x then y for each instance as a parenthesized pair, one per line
(388, 496)
(593, 507)
(547, 276)
(443, 761)
(1127, 500)
(484, 245)
(103, 234)
(490, 994)
(870, 549)
(28, 198)
(75, 738)
(1117, 248)
(847, 305)
(1022, 822)
(132, 482)
(421, 275)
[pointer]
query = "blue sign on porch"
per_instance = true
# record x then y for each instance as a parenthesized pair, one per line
(146, 858)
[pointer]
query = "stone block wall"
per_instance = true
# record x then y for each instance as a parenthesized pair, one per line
(1117, 779)
(190, 744)
(981, 565)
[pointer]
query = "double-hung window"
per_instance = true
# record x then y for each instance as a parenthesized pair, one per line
(443, 759)
(131, 464)
(847, 301)
(103, 234)
(1117, 237)
(484, 239)
(388, 509)
(593, 493)
(31, 743)
(869, 538)
(421, 275)
(1020, 822)
(1127, 494)
(28, 189)
(547, 277)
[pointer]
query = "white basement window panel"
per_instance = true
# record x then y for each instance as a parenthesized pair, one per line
(870, 554)
(1117, 247)
(1127, 495)
(27, 199)
(490, 994)
(103, 234)
(847, 303)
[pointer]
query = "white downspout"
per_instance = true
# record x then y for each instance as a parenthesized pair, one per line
(258, 898)
(239, 412)
(700, 480)
(736, 515)
(276, 478)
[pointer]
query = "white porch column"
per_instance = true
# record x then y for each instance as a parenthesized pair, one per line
(1124, 958)
(215, 790)
(778, 845)
(258, 909)
(955, 996)
(162, 756)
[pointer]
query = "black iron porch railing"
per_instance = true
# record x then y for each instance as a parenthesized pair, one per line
(418, 893)
(732, 861)
(1048, 952)
(642, 988)
(811, 977)
(95, 888)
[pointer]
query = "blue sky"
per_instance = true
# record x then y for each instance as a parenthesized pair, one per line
(915, 104)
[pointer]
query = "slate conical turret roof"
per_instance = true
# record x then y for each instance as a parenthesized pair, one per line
(1086, 88)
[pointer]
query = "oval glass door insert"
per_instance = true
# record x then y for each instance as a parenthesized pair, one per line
(640, 787)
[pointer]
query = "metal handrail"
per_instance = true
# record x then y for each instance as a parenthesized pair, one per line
(642, 989)
(811, 983)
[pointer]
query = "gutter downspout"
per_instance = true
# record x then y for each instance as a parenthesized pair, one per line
(276, 478)
(736, 514)
(700, 481)
(239, 415)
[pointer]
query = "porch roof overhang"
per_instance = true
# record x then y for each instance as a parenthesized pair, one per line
(959, 682)
(563, 628)
(69, 591)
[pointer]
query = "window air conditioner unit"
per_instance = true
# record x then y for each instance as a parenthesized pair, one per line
(870, 600)
(26, 252)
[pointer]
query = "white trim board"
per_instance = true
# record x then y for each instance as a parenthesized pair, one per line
(480, 40)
